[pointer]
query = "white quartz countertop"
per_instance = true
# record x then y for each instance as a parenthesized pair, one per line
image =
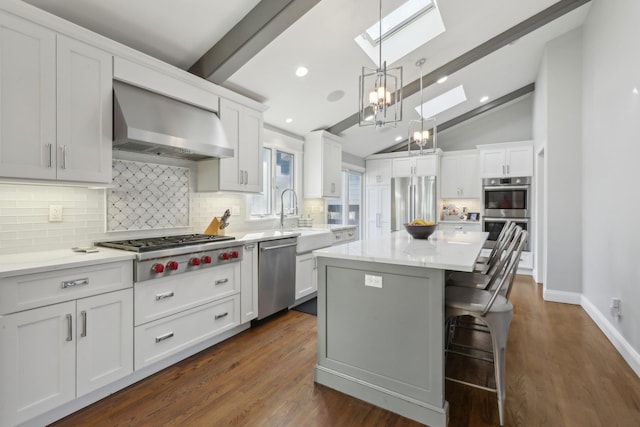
(261, 236)
(37, 262)
(450, 250)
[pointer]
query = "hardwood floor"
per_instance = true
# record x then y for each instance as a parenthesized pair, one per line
(561, 371)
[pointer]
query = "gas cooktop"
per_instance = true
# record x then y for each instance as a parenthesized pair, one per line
(167, 242)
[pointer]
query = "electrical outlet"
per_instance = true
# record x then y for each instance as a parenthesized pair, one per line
(55, 213)
(615, 307)
(373, 281)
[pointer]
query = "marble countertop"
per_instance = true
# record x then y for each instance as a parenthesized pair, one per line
(450, 250)
(37, 262)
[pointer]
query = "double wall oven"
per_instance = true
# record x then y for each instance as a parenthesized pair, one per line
(505, 199)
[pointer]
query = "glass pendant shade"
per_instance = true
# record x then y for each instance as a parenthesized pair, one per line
(423, 135)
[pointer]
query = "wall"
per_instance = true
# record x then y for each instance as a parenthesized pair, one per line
(511, 122)
(611, 149)
(563, 153)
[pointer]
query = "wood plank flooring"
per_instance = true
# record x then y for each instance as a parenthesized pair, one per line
(561, 371)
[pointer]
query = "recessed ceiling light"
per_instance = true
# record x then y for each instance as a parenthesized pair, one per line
(484, 99)
(399, 138)
(302, 71)
(443, 79)
(635, 91)
(289, 120)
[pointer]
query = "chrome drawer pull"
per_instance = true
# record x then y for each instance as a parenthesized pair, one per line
(164, 337)
(221, 281)
(84, 323)
(164, 295)
(69, 327)
(77, 282)
(220, 316)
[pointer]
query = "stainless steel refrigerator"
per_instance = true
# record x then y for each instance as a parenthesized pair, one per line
(411, 198)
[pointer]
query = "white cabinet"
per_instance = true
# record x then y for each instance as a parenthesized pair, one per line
(378, 211)
(53, 354)
(459, 226)
(306, 275)
(322, 165)
(505, 160)
(459, 176)
(55, 105)
(344, 235)
(378, 172)
(249, 283)
(243, 171)
(417, 165)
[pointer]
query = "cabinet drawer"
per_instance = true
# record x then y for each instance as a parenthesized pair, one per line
(344, 236)
(159, 298)
(473, 226)
(162, 338)
(29, 291)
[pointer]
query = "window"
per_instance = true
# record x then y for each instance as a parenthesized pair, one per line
(278, 169)
(348, 209)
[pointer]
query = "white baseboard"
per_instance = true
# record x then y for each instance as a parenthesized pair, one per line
(562, 296)
(628, 353)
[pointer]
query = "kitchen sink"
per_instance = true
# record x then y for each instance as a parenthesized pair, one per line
(312, 238)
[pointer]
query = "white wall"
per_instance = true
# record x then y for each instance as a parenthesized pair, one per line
(611, 154)
(562, 115)
(511, 122)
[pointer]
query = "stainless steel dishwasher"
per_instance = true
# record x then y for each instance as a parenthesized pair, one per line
(276, 275)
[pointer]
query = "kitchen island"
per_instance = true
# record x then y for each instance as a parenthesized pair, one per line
(381, 319)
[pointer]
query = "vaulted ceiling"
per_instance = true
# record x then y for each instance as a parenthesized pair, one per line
(493, 48)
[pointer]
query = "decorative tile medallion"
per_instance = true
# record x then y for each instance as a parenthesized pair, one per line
(147, 196)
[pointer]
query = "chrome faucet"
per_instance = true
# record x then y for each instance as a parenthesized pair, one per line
(295, 210)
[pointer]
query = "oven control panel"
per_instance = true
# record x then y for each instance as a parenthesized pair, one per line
(172, 265)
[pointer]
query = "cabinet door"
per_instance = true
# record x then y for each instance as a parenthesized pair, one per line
(449, 177)
(306, 277)
(249, 283)
(231, 116)
(426, 165)
(84, 112)
(378, 211)
(403, 167)
(378, 172)
(468, 176)
(27, 99)
(492, 163)
(250, 156)
(332, 169)
(519, 161)
(37, 361)
(104, 339)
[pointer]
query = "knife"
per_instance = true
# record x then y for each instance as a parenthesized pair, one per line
(223, 220)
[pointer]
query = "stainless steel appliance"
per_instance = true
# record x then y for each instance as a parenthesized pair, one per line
(172, 256)
(506, 197)
(276, 276)
(411, 198)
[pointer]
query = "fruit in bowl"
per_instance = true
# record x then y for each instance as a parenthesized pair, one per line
(420, 229)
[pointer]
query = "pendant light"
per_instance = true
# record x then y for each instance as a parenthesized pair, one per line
(422, 132)
(380, 92)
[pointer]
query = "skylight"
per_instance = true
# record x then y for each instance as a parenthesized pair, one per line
(398, 19)
(441, 103)
(408, 27)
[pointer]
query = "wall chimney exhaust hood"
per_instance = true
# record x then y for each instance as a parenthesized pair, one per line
(147, 122)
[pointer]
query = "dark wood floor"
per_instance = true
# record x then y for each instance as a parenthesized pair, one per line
(561, 371)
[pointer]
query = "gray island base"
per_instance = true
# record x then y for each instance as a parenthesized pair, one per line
(381, 320)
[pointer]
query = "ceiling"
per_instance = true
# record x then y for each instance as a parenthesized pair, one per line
(322, 39)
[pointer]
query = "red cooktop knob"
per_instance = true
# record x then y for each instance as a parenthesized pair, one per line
(206, 259)
(235, 254)
(172, 265)
(224, 256)
(194, 261)
(157, 268)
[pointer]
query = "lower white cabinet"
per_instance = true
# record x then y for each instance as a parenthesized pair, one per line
(306, 275)
(249, 283)
(378, 211)
(53, 354)
(460, 226)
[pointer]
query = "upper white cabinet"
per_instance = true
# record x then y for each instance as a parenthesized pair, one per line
(378, 172)
(322, 165)
(55, 105)
(418, 165)
(504, 160)
(243, 171)
(459, 175)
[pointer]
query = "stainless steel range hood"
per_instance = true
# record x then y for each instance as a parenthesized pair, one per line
(146, 122)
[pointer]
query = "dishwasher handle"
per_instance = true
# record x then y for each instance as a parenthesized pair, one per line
(268, 248)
